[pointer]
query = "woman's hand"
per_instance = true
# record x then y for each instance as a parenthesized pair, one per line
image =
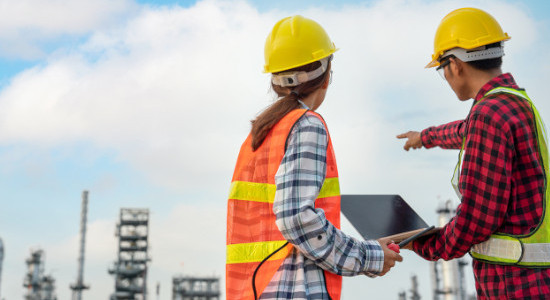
(390, 256)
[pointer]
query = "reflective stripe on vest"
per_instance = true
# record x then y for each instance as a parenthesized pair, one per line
(254, 252)
(255, 246)
(533, 249)
(264, 192)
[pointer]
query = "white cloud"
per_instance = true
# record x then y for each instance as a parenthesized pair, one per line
(171, 91)
(24, 24)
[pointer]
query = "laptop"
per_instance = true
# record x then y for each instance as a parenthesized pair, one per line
(377, 216)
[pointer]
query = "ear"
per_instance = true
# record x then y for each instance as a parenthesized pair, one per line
(326, 83)
(285, 90)
(458, 66)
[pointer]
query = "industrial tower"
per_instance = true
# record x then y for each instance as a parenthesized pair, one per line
(195, 288)
(448, 280)
(79, 285)
(1, 260)
(38, 285)
(130, 270)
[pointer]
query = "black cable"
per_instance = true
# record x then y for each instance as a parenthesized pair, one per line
(258, 267)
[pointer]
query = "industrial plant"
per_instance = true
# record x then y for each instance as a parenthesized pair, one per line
(130, 268)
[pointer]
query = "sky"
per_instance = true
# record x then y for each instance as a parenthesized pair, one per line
(146, 103)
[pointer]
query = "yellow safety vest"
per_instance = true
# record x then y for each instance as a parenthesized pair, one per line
(532, 249)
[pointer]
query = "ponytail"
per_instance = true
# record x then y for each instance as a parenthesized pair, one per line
(269, 117)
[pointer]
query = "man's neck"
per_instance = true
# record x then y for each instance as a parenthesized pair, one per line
(478, 79)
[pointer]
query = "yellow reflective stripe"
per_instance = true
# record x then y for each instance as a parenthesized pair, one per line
(252, 191)
(330, 188)
(255, 252)
(265, 192)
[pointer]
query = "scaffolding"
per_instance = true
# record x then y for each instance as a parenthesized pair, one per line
(130, 270)
(195, 288)
(38, 285)
(79, 285)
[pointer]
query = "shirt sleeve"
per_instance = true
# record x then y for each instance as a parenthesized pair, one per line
(446, 136)
(299, 179)
(485, 183)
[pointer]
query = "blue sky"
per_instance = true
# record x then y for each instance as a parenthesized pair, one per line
(145, 104)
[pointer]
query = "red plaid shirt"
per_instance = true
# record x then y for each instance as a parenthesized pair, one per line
(502, 186)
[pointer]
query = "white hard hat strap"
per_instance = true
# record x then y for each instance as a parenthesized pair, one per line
(479, 53)
(296, 78)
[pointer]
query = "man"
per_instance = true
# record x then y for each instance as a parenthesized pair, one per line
(500, 177)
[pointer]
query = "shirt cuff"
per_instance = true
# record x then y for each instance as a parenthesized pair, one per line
(374, 256)
(426, 138)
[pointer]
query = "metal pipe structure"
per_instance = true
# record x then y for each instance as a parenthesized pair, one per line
(189, 288)
(447, 276)
(130, 269)
(1, 261)
(79, 285)
(37, 285)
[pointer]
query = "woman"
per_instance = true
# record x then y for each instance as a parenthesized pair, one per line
(283, 237)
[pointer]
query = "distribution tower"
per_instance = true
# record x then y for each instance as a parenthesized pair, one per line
(448, 280)
(79, 285)
(1, 260)
(195, 288)
(130, 270)
(38, 286)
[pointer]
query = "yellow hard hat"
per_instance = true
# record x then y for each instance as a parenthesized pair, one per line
(296, 41)
(466, 28)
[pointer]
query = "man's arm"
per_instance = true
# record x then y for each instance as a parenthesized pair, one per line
(447, 136)
(485, 186)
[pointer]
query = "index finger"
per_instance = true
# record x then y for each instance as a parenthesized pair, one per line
(399, 257)
(403, 135)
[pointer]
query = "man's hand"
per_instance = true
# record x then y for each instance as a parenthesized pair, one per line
(390, 256)
(408, 246)
(413, 140)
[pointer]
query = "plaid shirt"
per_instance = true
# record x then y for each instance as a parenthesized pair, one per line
(318, 245)
(502, 185)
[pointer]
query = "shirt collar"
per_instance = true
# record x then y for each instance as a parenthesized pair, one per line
(304, 106)
(504, 80)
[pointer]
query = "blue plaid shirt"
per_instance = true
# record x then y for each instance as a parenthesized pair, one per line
(318, 245)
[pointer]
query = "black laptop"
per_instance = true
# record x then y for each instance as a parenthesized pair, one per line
(376, 216)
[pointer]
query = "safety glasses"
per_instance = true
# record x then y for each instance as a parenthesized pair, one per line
(441, 68)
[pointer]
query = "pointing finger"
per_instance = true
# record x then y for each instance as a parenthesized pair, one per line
(403, 135)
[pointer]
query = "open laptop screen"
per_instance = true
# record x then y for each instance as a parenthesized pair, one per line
(376, 216)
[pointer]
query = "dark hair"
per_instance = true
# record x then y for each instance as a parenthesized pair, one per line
(487, 64)
(286, 103)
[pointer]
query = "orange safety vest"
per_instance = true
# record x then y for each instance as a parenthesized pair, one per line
(255, 246)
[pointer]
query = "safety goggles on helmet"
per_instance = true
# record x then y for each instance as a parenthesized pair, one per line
(298, 77)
